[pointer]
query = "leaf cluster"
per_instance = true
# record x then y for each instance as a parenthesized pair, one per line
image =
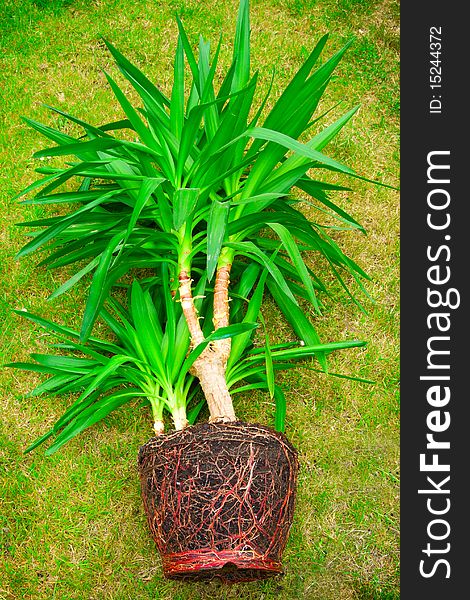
(190, 182)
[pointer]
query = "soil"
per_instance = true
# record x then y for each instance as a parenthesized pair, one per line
(219, 500)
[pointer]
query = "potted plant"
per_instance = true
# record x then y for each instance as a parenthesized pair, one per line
(184, 218)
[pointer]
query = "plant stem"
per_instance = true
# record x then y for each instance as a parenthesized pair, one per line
(179, 418)
(221, 308)
(189, 310)
(157, 410)
(210, 367)
(159, 427)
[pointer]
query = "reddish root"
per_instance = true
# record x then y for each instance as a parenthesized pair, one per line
(219, 500)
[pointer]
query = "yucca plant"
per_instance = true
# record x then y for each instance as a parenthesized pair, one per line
(196, 189)
(153, 362)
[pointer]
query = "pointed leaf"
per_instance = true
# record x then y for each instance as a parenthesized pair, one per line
(297, 260)
(89, 417)
(216, 228)
(297, 319)
(184, 205)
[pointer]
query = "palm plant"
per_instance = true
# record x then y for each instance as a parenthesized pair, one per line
(153, 362)
(186, 204)
(190, 194)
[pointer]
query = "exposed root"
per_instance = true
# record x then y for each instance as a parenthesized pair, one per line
(220, 500)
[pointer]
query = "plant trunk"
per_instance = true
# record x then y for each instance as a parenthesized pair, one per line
(210, 367)
(221, 310)
(189, 310)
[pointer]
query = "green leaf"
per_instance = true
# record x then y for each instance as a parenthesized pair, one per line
(216, 228)
(319, 141)
(297, 320)
(220, 334)
(103, 372)
(169, 338)
(115, 125)
(269, 364)
(289, 97)
(47, 325)
(184, 205)
(133, 116)
(208, 95)
(190, 56)
(194, 412)
(260, 201)
(189, 134)
(67, 197)
(59, 176)
(177, 95)
(146, 190)
(230, 331)
(242, 290)
(302, 149)
(249, 250)
(306, 351)
(58, 226)
(297, 260)
(148, 328)
(313, 188)
(53, 134)
(144, 86)
(65, 363)
(55, 384)
(39, 441)
(80, 148)
(295, 163)
(240, 343)
(90, 416)
(96, 131)
(280, 414)
(98, 287)
(241, 48)
(35, 367)
(74, 279)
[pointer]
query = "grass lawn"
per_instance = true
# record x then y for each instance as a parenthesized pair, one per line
(72, 525)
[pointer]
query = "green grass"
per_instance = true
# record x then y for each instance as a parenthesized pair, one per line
(72, 525)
